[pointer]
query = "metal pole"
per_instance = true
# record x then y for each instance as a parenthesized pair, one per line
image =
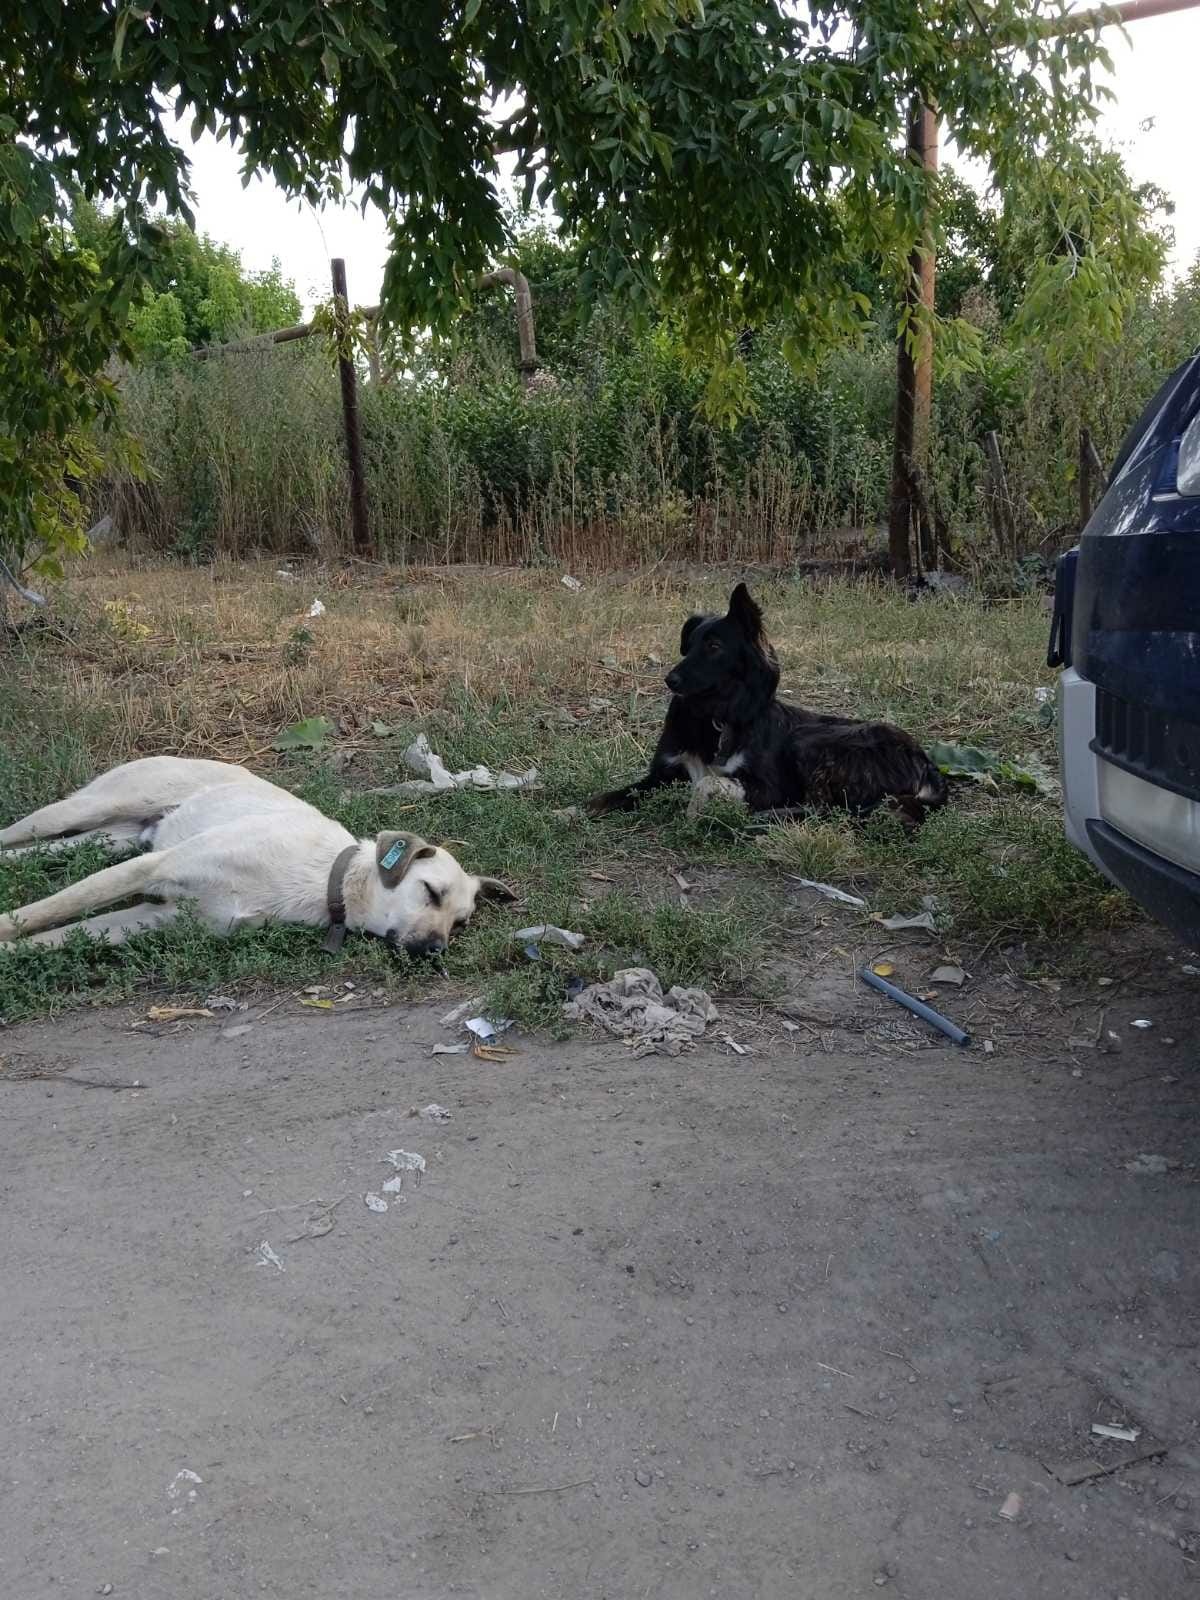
(1103, 16)
(914, 367)
(358, 488)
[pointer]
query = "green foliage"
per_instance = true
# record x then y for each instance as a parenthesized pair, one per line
(196, 291)
(61, 318)
(732, 163)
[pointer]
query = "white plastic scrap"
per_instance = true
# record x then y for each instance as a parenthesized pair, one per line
(317, 609)
(460, 1011)
(486, 1028)
(374, 1202)
(568, 582)
(547, 933)
(406, 1161)
(450, 1049)
(434, 1113)
(267, 1256)
(1011, 1509)
(632, 1006)
(830, 893)
(393, 1187)
(1141, 1022)
(1112, 1430)
(949, 974)
(436, 778)
(923, 919)
(177, 1484)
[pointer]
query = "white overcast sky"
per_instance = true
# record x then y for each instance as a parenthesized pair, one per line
(1152, 120)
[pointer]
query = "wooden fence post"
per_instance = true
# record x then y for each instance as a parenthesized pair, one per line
(1091, 472)
(363, 544)
(1004, 523)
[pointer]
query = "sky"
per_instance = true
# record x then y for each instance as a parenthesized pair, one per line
(1151, 119)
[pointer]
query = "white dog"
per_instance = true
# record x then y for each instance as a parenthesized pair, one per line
(245, 852)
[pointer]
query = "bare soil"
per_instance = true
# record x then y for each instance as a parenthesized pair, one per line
(795, 1325)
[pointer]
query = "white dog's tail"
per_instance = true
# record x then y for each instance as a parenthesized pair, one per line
(103, 888)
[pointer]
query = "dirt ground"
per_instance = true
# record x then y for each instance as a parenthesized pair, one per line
(802, 1324)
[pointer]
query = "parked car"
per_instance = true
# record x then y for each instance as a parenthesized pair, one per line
(1126, 631)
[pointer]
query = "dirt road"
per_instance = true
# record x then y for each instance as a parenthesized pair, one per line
(789, 1326)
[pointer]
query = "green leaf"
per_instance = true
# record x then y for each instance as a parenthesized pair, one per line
(119, 37)
(311, 734)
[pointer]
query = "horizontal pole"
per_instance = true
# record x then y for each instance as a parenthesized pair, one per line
(1124, 12)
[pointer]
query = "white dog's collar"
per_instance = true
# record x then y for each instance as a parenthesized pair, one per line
(335, 900)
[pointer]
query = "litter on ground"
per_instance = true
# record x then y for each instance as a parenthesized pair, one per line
(923, 919)
(546, 933)
(830, 892)
(458, 1012)
(375, 1202)
(406, 1161)
(485, 1028)
(436, 778)
(267, 1256)
(432, 1112)
(633, 1007)
(450, 1049)
(1113, 1430)
(949, 974)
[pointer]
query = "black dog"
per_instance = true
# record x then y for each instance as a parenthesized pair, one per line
(725, 730)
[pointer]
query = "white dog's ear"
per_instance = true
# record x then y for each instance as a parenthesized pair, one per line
(395, 853)
(493, 889)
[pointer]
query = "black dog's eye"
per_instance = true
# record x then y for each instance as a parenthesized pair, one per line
(435, 895)
(713, 646)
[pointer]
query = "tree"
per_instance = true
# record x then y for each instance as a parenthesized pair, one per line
(197, 292)
(732, 160)
(1004, 244)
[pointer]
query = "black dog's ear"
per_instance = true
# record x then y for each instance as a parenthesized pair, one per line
(689, 628)
(745, 613)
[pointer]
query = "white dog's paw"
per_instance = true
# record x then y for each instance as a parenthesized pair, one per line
(711, 787)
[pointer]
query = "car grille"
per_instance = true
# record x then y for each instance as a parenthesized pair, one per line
(1151, 744)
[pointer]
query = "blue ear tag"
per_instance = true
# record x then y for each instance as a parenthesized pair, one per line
(394, 855)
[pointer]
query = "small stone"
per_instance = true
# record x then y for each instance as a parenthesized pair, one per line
(642, 1477)
(1182, 1502)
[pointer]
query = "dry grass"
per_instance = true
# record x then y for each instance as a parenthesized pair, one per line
(215, 660)
(511, 668)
